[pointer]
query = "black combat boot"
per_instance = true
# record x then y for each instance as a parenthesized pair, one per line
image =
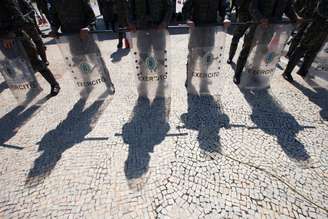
(232, 53)
(55, 88)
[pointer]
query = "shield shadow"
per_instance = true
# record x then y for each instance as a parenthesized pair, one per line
(79, 122)
(205, 116)
(16, 118)
(147, 128)
(269, 116)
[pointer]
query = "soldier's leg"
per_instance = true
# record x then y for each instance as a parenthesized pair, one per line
(38, 65)
(265, 40)
(144, 48)
(293, 60)
(311, 53)
(120, 40)
(296, 39)
(104, 72)
(194, 42)
(247, 46)
(307, 42)
(160, 50)
(209, 37)
(41, 48)
(238, 34)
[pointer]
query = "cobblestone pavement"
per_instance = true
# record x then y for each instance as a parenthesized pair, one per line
(238, 154)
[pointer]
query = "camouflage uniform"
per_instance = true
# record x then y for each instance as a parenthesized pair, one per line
(121, 13)
(148, 14)
(272, 10)
(306, 10)
(243, 17)
(314, 37)
(32, 29)
(121, 9)
(204, 12)
(72, 16)
(13, 23)
(107, 8)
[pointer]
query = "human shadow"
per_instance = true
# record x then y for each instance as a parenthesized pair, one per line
(15, 119)
(3, 86)
(319, 97)
(269, 116)
(205, 116)
(147, 128)
(71, 131)
(118, 54)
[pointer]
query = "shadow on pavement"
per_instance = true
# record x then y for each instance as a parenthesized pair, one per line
(319, 97)
(15, 119)
(269, 116)
(147, 128)
(71, 131)
(3, 86)
(205, 116)
(118, 54)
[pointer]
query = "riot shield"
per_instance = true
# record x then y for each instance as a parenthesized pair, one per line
(205, 58)
(18, 72)
(267, 48)
(319, 70)
(86, 65)
(151, 62)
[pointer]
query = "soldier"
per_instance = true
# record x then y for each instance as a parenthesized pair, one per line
(12, 24)
(306, 10)
(146, 14)
(32, 30)
(107, 8)
(121, 13)
(74, 16)
(264, 12)
(77, 17)
(314, 37)
(150, 15)
(116, 13)
(204, 13)
(243, 16)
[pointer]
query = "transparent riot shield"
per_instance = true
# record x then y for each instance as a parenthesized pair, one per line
(267, 48)
(86, 65)
(205, 58)
(151, 62)
(18, 72)
(319, 71)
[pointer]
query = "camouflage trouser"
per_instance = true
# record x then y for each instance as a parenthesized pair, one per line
(314, 37)
(248, 45)
(238, 34)
(297, 38)
(33, 33)
(37, 64)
